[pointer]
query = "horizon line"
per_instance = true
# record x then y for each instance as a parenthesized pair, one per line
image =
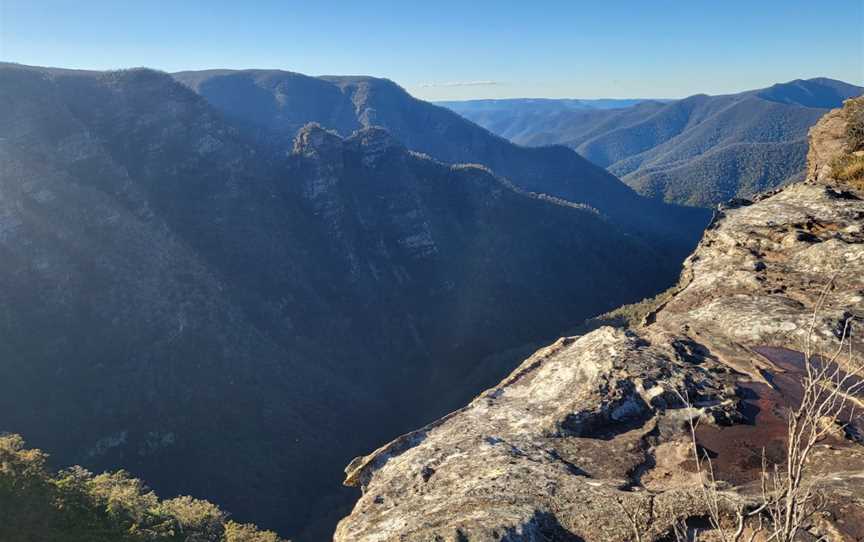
(419, 86)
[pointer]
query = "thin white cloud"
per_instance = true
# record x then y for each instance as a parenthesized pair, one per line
(461, 84)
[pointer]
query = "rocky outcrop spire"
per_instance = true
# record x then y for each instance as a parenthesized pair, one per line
(837, 146)
(313, 140)
(827, 142)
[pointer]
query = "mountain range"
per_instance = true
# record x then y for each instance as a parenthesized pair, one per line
(230, 283)
(273, 104)
(698, 151)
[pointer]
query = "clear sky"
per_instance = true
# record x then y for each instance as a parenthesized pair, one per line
(459, 49)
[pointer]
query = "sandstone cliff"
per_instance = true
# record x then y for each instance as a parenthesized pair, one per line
(588, 435)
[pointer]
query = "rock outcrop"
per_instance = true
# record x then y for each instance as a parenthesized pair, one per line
(588, 438)
(827, 142)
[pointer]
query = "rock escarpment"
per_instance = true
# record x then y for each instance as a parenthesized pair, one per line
(588, 437)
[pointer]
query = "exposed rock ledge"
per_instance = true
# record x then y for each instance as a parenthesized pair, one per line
(589, 426)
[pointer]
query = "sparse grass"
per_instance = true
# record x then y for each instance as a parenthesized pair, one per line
(633, 314)
(854, 124)
(849, 167)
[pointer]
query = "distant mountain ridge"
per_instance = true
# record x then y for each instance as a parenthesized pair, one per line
(699, 150)
(541, 104)
(273, 104)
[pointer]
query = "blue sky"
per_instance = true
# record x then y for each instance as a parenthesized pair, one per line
(459, 50)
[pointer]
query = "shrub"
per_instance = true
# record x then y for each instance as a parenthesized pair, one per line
(203, 520)
(849, 168)
(242, 532)
(854, 124)
(76, 506)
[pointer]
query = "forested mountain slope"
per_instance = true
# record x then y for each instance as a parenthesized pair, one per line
(700, 150)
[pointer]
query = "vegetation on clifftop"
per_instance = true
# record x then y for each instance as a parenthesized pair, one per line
(850, 166)
(855, 123)
(75, 505)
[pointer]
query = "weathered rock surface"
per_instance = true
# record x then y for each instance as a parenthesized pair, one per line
(589, 431)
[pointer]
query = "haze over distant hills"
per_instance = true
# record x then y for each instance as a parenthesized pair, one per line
(538, 104)
(698, 151)
(232, 302)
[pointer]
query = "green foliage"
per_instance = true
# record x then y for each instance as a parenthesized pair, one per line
(243, 532)
(77, 506)
(25, 494)
(201, 519)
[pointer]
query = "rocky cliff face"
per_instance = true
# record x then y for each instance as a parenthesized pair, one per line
(590, 431)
